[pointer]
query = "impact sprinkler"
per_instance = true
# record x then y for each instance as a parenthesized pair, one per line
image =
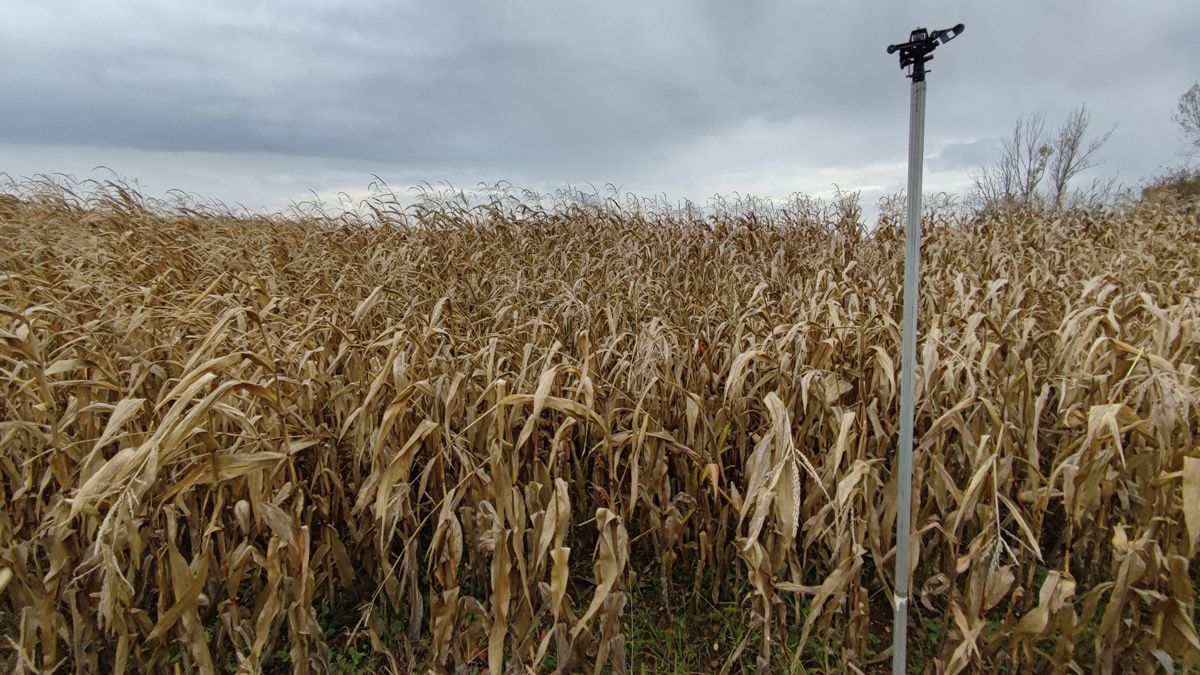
(914, 54)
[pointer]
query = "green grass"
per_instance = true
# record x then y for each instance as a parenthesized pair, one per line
(696, 635)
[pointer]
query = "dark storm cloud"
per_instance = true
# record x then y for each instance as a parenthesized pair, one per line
(667, 96)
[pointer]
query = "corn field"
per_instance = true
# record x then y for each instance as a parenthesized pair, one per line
(476, 437)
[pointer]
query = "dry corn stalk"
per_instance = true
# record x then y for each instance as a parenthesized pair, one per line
(472, 432)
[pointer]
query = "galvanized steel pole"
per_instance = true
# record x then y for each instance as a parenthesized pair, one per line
(908, 365)
(913, 54)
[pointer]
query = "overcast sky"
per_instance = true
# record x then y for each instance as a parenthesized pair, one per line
(260, 103)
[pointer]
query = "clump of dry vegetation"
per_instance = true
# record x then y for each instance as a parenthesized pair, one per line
(467, 436)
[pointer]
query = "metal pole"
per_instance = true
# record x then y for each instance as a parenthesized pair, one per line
(914, 54)
(908, 363)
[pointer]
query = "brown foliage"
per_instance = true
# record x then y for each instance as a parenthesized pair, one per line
(490, 425)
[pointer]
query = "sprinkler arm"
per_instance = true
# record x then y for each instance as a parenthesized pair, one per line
(919, 49)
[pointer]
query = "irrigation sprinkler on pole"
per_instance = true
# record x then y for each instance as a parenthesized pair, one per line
(913, 54)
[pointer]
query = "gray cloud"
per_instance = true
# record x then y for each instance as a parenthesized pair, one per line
(683, 97)
(965, 156)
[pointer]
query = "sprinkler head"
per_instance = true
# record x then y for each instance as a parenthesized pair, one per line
(919, 49)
